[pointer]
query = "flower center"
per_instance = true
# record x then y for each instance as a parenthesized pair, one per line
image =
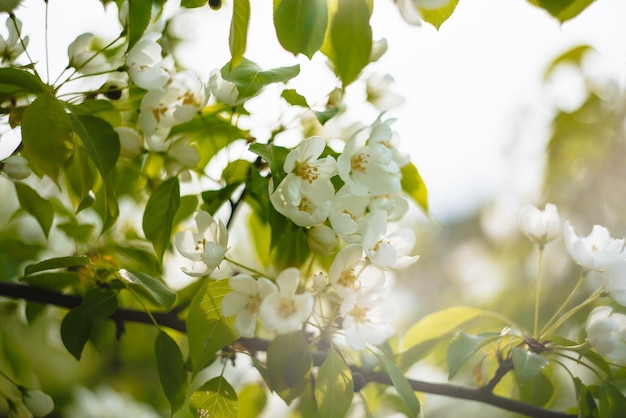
(379, 243)
(286, 308)
(307, 172)
(359, 314)
(200, 244)
(358, 162)
(253, 304)
(305, 205)
(349, 279)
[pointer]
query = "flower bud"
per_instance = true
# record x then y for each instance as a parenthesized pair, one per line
(321, 239)
(16, 167)
(320, 281)
(37, 402)
(540, 226)
(606, 332)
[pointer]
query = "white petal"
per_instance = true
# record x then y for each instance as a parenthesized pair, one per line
(234, 302)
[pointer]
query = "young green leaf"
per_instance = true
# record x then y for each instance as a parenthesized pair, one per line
(159, 215)
(301, 25)
(539, 390)
(216, 399)
(414, 186)
(172, 370)
(611, 403)
(324, 116)
(75, 331)
(294, 98)
(192, 3)
(436, 17)
(275, 157)
(289, 363)
(405, 391)
(101, 141)
(139, 14)
(250, 78)
(563, 10)
(110, 208)
(46, 135)
(56, 280)
(587, 407)
(36, 205)
(207, 328)
(56, 263)
(334, 387)
(252, 400)
(239, 31)
(15, 81)
(151, 287)
(463, 346)
(98, 302)
(527, 364)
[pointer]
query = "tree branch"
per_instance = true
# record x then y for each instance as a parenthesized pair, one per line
(171, 320)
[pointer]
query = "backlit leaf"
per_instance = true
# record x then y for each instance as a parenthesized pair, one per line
(289, 363)
(139, 13)
(334, 387)
(172, 370)
(158, 218)
(239, 31)
(527, 364)
(101, 141)
(56, 263)
(149, 286)
(563, 10)
(436, 17)
(463, 346)
(611, 403)
(404, 389)
(216, 399)
(414, 186)
(36, 205)
(250, 78)
(301, 25)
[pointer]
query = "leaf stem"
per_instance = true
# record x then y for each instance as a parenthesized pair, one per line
(569, 298)
(538, 290)
(250, 269)
(572, 311)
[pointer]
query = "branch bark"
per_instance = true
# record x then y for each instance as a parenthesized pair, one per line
(173, 321)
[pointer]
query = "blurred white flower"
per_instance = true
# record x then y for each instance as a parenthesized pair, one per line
(394, 204)
(146, 66)
(11, 47)
(615, 281)
(540, 226)
(320, 280)
(595, 251)
(379, 47)
(38, 403)
(311, 209)
(85, 57)
(226, 91)
(105, 402)
(350, 272)
(16, 167)
(131, 141)
(286, 311)
(206, 248)
(386, 250)
(245, 301)
(379, 94)
(606, 333)
(321, 239)
(367, 317)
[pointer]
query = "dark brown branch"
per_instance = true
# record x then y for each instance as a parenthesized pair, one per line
(171, 320)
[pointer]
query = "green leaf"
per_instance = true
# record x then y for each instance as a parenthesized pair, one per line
(139, 13)
(326, 115)
(159, 215)
(193, 3)
(56, 263)
(463, 346)
(207, 328)
(334, 387)
(288, 241)
(14, 81)
(78, 232)
(350, 37)
(101, 141)
(80, 177)
(172, 370)
(188, 206)
(46, 136)
(436, 17)
(572, 56)
(275, 157)
(289, 364)
(110, 208)
(252, 401)
(294, 98)
(527, 364)
(36, 205)
(236, 172)
(611, 402)
(214, 199)
(250, 78)
(433, 327)
(149, 286)
(98, 302)
(53, 280)
(216, 399)
(538, 391)
(301, 25)
(404, 389)
(75, 331)
(563, 10)
(239, 31)
(414, 186)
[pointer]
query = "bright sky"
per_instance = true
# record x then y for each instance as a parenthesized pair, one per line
(475, 116)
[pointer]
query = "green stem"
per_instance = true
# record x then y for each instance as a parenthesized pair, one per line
(145, 308)
(7, 377)
(559, 311)
(250, 269)
(572, 311)
(19, 35)
(538, 290)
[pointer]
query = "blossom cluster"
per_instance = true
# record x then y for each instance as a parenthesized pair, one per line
(598, 251)
(345, 204)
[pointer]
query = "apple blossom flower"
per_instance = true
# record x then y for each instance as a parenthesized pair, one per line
(541, 226)
(394, 204)
(606, 333)
(595, 251)
(350, 272)
(615, 281)
(12, 47)
(176, 103)
(245, 301)
(367, 317)
(37, 402)
(16, 167)
(369, 167)
(223, 90)
(346, 213)
(311, 209)
(386, 250)
(379, 94)
(320, 281)
(85, 57)
(206, 247)
(131, 141)
(146, 66)
(321, 239)
(285, 311)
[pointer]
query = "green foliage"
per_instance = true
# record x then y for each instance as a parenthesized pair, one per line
(402, 386)
(301, 25)
(334, 387)
(139, 14)
(56, 263)
(563, 10)
(252, 401)
(150, 287)
(436, 17)
(250, 78)
(414, 186)
(216, 398)
(527, 364)
(158, 217)
(100, 140)
(289, 365)
(463, 346)
(172, 370)
(36, 205)
(239, 31)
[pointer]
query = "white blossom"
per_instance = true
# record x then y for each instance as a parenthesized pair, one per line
(346, 213)
(16, 167)
(350, 272)
(311, 209)
(38, 403)
(595, 251)
(11, 47)
(245, 301)
(225, 91)
(321, 239)
(379, 94)
(540, 226)
(206, 247)
(146, 66)
(85, 57)
(606, 333)
(131, 141)
(615, 281)
(386, 250)
(285, 311)
(367, 317)
(394, 204)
